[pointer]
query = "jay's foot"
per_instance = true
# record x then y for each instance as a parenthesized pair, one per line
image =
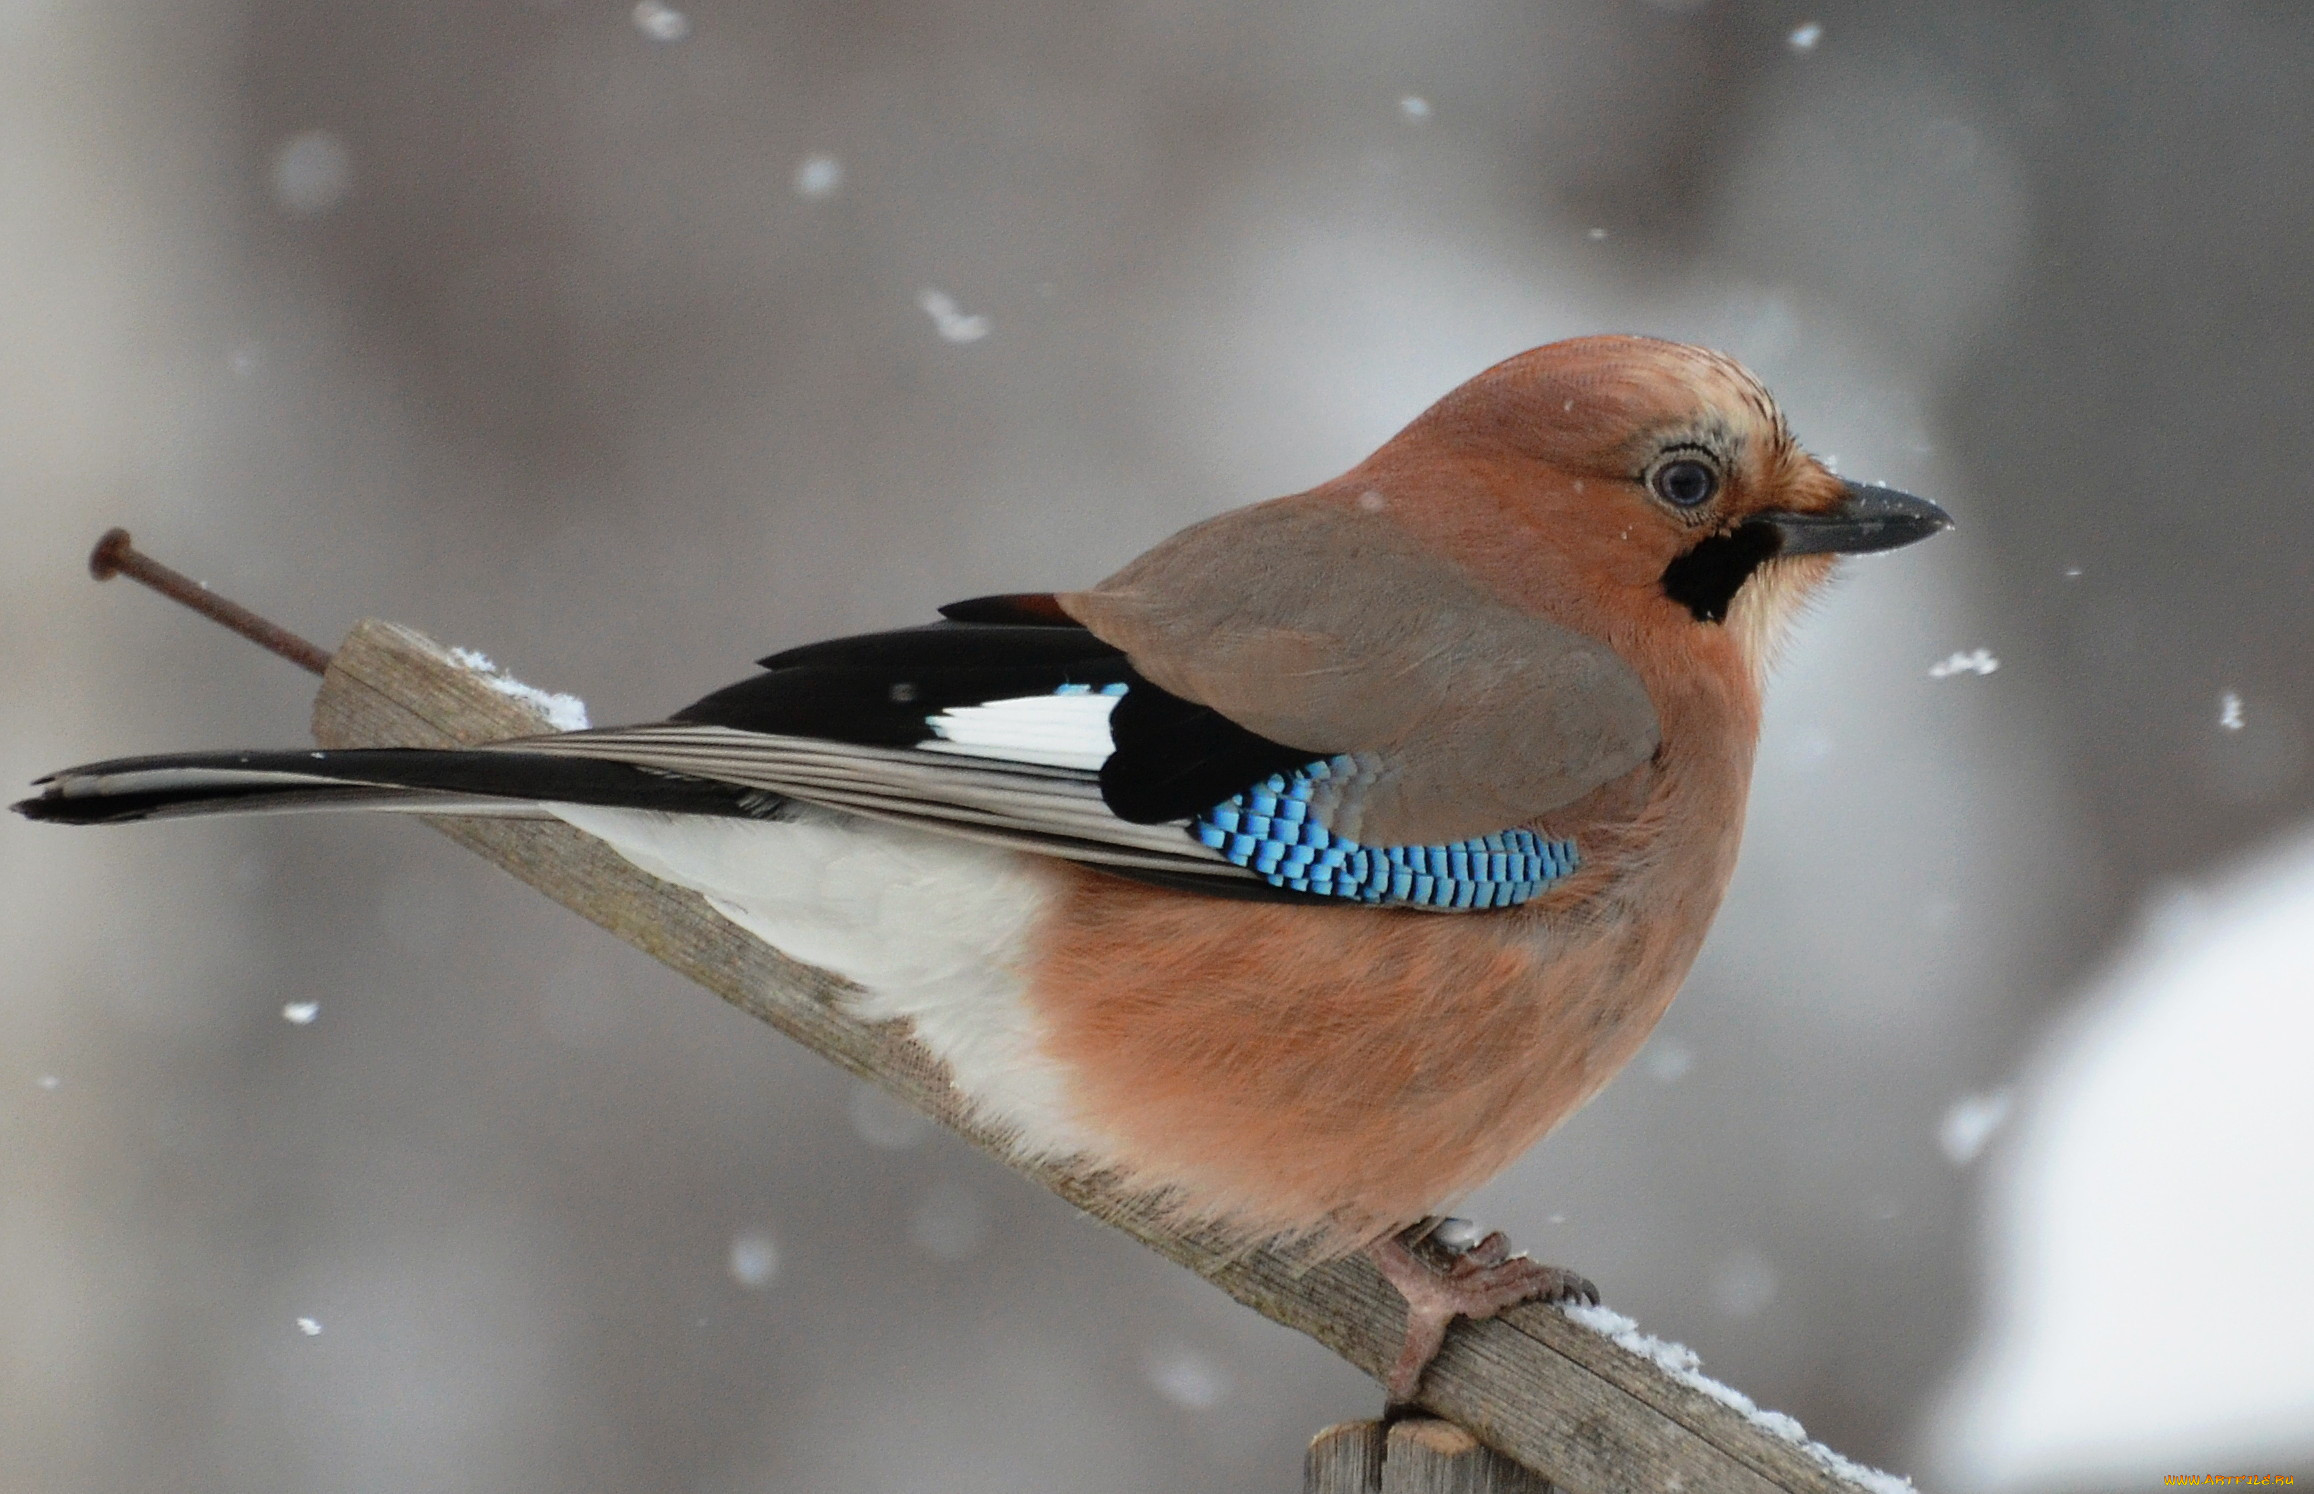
(1445, 1271)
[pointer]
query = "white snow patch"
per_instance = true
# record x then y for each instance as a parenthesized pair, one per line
(1805, 36)
(301, 1013)
(562, 712)
(1459, 1234)
(661, 22)
(2230, 711)
(818, 176)
(2149, 1307)
(954, 325)
(1969, 1122)
(1686, 1366)
(1967, 661)
(754, 1261)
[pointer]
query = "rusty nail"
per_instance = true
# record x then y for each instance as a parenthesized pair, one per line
(116, 555)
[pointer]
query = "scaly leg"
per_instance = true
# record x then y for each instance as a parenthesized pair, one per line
(1445, 1273)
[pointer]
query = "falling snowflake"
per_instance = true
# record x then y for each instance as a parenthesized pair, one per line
(2230, 711)
(1744, 1285)
(954, 325)
(1969, 1123)
(310, 1327)
(1192, 1380)
(1668, 1063)
(312, 173)
(818, 176)
(1805, 36)
(1414, 106)
(1972, 661)
(754, 1259)
(301, 1013)
(661, 22)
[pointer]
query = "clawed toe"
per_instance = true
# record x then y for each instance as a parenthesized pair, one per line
(1453, 1277)
(1573, 1288)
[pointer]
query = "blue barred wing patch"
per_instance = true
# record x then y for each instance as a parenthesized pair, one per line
(1268, 831)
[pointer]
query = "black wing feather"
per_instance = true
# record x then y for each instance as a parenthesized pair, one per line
(356, 773)
(1037, 609)
(878, 689)
(1174, 758)
(939, 644)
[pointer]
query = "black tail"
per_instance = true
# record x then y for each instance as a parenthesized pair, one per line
(416, 779)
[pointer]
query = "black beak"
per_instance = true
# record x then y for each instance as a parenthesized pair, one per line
(1872, 518)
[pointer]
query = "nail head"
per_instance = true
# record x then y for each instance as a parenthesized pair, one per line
(104, 562)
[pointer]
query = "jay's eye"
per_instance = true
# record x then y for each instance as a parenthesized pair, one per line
(1685, 483)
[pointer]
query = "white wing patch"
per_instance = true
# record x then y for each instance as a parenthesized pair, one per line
(1068, 729)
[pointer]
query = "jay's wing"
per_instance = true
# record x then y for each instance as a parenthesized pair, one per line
(1331, 630)
(1014, 724)
(1010, 723)
(993, 726)
(999, 724)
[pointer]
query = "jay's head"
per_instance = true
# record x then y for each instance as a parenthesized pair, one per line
(1652, 486)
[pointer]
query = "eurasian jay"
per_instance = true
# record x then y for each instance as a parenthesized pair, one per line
(1305, 871)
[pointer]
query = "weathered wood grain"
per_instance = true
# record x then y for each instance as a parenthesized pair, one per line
(1425, 1456)
(1592, 1417)
(1345, 1458)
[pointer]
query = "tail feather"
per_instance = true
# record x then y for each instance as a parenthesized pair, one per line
(409, 779)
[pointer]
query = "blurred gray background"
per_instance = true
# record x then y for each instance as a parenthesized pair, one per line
(629, 343)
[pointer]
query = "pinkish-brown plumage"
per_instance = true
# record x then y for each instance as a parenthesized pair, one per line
(1341, 1073)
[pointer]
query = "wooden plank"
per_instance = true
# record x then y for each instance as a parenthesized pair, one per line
(1593, 1416)
(1345, 1458)
(1426, 1456)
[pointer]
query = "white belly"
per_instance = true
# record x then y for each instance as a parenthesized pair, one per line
(931, 929)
